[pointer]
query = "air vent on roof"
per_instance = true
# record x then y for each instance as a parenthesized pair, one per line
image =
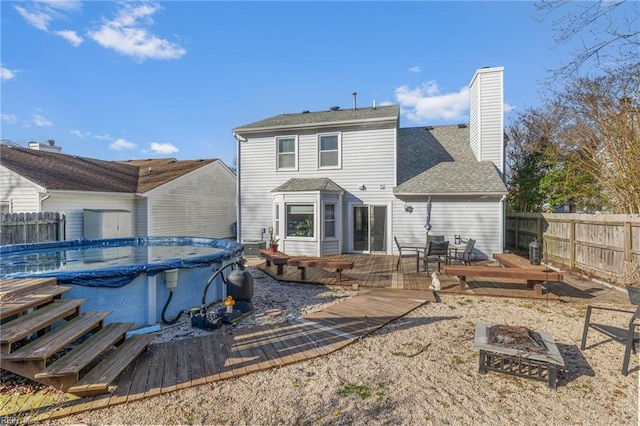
(334, 108)
(429, 128)
(462, 126)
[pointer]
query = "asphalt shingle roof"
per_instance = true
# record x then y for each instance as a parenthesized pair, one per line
(307, 119)
(55, 171)
(310, 184)
(439, 160)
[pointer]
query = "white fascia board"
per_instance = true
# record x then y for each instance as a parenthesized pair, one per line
(102, 194)
(448, 194)
(241, 131)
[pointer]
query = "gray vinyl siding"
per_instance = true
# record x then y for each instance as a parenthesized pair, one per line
(470, 217)
(487, 116)
(368, 158)
(199, 204)
(23, 194)
(74, 203)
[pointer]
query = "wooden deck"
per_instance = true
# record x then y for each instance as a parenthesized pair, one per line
(384, 295)
(379, 271)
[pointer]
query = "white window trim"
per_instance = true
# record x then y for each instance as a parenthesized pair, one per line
(285, 224)
(295, 154)
(339, 166)
(335, 221)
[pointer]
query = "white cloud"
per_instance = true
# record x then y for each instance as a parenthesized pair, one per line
(427, 103)
(103, 137)
(415, 69)
(508, 108)
(36, 17)
(121, 144)
(41, 121)
(79, 134)
(9, 118)
(71, 36)
(40, 14)
(6, 73)
(128, 34)
(163, 148)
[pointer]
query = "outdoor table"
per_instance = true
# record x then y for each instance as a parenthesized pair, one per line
(453, 250)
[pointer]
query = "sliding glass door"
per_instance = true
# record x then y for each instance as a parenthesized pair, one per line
(369, 229)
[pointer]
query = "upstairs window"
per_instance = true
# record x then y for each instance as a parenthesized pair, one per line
(5, 206)
(287, 153)
(329, 151)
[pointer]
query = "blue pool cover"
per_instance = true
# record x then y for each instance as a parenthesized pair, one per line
(88, 262)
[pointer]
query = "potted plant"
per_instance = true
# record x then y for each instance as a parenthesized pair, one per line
(631, 280)
(273, 242)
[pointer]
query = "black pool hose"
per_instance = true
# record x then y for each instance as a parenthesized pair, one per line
(204, 296)
(164, 310)
(213, 277)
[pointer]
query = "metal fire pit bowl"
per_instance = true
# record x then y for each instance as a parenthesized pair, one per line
(518, 351)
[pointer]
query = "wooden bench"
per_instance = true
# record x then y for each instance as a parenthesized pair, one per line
(534, 275)
(319, 262)
(278, 258)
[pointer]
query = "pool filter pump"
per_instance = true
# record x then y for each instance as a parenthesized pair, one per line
(206, 320)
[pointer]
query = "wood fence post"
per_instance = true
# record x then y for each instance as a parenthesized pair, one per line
(627, 242)
(572, 245)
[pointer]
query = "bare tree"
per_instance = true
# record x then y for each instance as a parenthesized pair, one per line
(600, 128)
(605, 31)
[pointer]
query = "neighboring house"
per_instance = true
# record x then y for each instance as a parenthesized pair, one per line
(348, 181)
(156, 197)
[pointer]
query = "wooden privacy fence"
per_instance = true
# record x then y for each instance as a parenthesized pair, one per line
(20, 228)
(595, 244)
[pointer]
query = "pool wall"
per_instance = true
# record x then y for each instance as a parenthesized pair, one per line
(137, 293)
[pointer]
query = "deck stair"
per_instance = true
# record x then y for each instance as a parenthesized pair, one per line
(45, 338)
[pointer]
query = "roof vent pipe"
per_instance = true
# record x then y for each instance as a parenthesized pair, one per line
(374, 104)
(354, 94)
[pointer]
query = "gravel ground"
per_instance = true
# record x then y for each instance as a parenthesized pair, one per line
(421, 369)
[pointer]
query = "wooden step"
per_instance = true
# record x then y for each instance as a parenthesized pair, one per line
(37, 320)
(22, 302)
(12, 287)
(83, 355)
(98, 380)
(44, 347)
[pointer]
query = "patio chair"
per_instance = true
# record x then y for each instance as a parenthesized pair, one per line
(627, 336)
(437, 252)
(405, 252)
(465, 256)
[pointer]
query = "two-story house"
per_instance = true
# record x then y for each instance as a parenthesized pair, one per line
(349, 180)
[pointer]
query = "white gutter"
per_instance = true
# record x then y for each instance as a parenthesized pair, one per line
(416, 194)
(502, 221)
(314, 125)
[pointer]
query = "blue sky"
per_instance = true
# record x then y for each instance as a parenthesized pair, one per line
(116, 80)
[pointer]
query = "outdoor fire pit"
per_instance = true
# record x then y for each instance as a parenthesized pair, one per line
(518, 351)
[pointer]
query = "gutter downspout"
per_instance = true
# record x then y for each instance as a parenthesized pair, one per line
(239, 139)
(46, 195)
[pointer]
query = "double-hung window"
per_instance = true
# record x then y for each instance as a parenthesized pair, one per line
(287, 153)
(329, 220)
(329, 151)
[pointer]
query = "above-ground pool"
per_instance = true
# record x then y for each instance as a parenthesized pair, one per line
(127, 275)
